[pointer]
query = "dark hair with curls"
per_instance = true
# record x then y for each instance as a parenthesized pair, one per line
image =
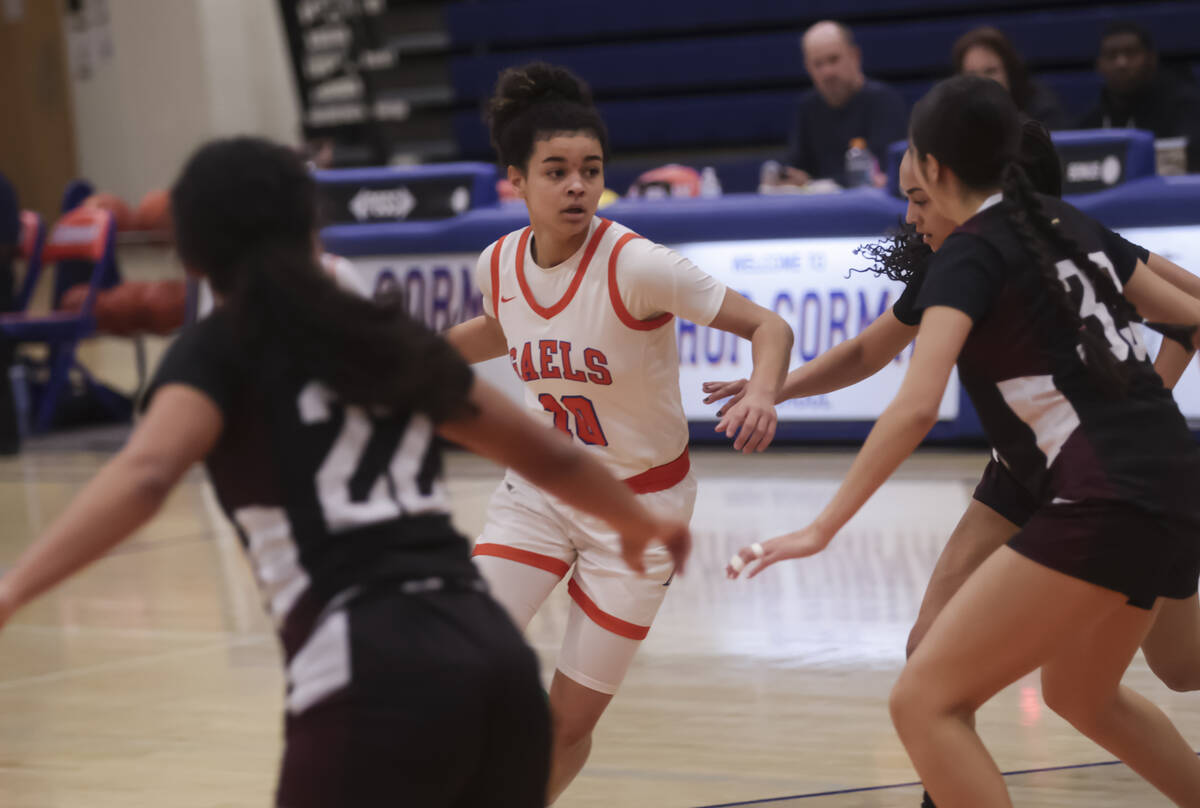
(970, 124)
(904, 254)
(1019, 82)
(244, 212)
(901, 256)
(537, 101)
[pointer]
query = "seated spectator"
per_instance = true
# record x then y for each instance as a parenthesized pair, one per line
(843, 105)
(1137, 94)
(987, 52)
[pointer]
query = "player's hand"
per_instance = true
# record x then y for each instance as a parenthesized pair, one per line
(671, 533)
(805, 542)
(8, 604)
(719, 390)
(751, 419)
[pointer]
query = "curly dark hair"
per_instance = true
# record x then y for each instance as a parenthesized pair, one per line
(537, 100)
(900, 256)
(903, 254)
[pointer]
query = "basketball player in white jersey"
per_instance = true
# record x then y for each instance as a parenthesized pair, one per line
(583, 307)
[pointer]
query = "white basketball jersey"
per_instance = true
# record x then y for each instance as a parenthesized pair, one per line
(591, 368)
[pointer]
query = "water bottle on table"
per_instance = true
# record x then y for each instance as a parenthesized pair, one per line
(860, 165)
(710, 186)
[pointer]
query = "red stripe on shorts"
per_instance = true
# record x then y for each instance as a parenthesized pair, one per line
(602, 618)
(660, 478)
(542, 562)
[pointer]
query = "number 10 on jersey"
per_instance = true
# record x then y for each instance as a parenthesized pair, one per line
(587, 425)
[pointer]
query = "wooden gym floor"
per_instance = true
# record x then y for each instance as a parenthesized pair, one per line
(153, 679)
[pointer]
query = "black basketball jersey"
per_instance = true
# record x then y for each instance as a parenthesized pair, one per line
(326, 496)
(1063, 436)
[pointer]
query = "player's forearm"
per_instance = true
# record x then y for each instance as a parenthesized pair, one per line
(1171, 362)
(770, 347)
(582, 481)
(840, 366)
(851, 361)
(1174, 274)
(478, 339)
(894, 437)
(118, 500)
(500, 430)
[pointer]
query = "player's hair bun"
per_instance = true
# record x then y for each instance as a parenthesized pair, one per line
(535, 99)
(520, 88)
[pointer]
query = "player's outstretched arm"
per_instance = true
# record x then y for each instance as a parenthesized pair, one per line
(1173, 358)
(1171, 362)
(478, 339)
(503, 432)
(752, 419)
(1174, 274)
(180, 428)
(895, 435)
(1159, 300)
(847, 363)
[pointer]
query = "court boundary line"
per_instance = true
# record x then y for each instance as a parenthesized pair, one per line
(864, 789)
(117, 665)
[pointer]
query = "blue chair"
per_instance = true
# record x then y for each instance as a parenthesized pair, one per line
(82, 236)
(33, 240)
(73, 273)
(73, 195)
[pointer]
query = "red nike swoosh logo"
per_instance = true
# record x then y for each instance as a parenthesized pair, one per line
(506, 299)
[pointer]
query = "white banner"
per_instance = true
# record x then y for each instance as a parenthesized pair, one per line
(440, 289)
(807, 281)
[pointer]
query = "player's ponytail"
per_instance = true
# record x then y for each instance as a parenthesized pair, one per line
(903, 253)
(538, 100)
(1037, 232)
(971, 126)
(244, 212)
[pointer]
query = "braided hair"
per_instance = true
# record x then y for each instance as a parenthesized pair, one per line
(971, 125)
(903, 254)
(1037, 231)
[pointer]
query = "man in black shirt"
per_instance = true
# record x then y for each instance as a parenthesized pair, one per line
(1138, 94)
(843, 105)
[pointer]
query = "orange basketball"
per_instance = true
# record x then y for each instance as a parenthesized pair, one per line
(154, 212)
(165, 303)
(114, 205)
(120, 310)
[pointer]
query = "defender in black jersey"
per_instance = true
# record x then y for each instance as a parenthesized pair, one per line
(1035, 302)
(1000, 504)
(316, 412)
